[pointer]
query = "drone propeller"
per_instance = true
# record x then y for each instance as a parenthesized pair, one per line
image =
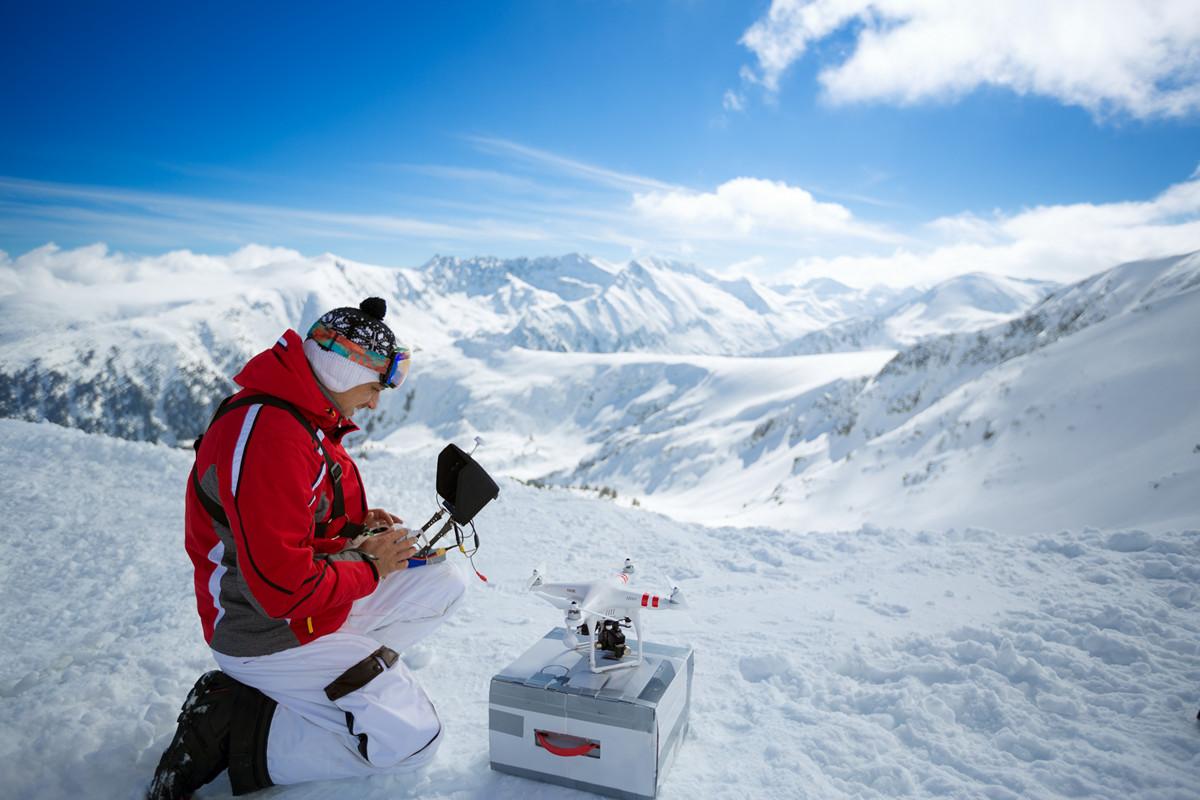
(537, 578)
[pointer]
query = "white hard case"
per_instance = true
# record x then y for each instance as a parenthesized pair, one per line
(636, 716)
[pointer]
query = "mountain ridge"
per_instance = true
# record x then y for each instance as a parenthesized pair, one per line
(119, 320)
(649, 406)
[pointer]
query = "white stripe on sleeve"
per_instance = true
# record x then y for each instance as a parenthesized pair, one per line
(320, 477)
(240, 450)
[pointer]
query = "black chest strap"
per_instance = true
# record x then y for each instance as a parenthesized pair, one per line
(334, 469)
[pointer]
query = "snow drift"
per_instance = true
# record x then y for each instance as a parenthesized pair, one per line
(862, 663)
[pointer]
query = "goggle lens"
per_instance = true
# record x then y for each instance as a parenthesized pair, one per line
(397, 369)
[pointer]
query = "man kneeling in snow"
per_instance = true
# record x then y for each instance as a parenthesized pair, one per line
(305, 614)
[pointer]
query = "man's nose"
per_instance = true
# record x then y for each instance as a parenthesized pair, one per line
(374, 401)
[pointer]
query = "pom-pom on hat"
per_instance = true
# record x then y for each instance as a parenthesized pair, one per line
(348, 347)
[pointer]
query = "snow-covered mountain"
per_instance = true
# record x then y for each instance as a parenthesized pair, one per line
(1081, 410)
(993, 594)
(571, 277)
(579, 304)
(648, 305)
(842, 438)
(964, 303)
(143, 348)
(1091, 392)
(854, 438)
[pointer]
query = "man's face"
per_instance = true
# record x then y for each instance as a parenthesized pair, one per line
(363, 396)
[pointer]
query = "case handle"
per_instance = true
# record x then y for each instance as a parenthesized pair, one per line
(565, 752)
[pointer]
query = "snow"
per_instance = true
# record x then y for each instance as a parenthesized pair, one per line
(870, 662)
(938, 543)
(577, 373)
(617, 410)
(964, 303)
(1100, 427)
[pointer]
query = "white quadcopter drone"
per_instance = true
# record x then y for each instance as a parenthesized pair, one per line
(600, 610)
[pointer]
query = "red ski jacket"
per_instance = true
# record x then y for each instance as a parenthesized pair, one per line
(275, 577)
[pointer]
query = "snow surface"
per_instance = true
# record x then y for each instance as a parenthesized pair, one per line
(1082, 412)
(865, 663)
(964, 539)
(143, 347)
(548, 359)
(965, 303)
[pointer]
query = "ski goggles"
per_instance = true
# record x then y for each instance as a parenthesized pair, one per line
(397, 368)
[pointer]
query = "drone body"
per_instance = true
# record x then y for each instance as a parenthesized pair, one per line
(600, 610)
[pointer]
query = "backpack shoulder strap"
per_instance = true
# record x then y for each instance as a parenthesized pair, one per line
(217, 512)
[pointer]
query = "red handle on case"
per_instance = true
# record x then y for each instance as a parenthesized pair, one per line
(565, 752)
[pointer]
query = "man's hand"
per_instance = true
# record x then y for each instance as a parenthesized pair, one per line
(378, 518)
(390, 550)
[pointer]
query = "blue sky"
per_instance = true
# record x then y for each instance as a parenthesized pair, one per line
(897, 145)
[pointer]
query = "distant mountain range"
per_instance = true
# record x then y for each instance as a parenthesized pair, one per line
(574, 304)
(966, 303)
(1079, 411)
(145, 356)
(708, 399)
(1082, 409)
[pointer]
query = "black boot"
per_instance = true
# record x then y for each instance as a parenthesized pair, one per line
(200, 750)
(248, 741)
(223, 723)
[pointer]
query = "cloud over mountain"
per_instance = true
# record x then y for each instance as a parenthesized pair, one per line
(1055, 242)
(745, 206)
(1107, 56)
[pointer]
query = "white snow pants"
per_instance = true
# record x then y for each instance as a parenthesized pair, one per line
(312, 738)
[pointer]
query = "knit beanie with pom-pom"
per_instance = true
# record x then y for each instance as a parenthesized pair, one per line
(348, 347)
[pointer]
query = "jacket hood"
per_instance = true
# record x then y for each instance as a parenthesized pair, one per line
(283, 372)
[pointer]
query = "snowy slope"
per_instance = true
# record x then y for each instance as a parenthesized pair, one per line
(664, 307)
(578, 304)
(865, 663)
(626, 420)
(832, 300)
(941, 432)
(964, 303)
(1081, 412)
(1083, 409)
(143, 348)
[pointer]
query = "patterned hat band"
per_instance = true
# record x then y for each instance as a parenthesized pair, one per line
(335, 342)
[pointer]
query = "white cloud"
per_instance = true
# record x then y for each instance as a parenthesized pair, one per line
(91, 266)
(1140, 57)
(745, 207)
(1064, 243)
(733, 101)
(746, 227)
(562, 164)
(746, 268)
(140, 204)
(759, 226)
(159, 219)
